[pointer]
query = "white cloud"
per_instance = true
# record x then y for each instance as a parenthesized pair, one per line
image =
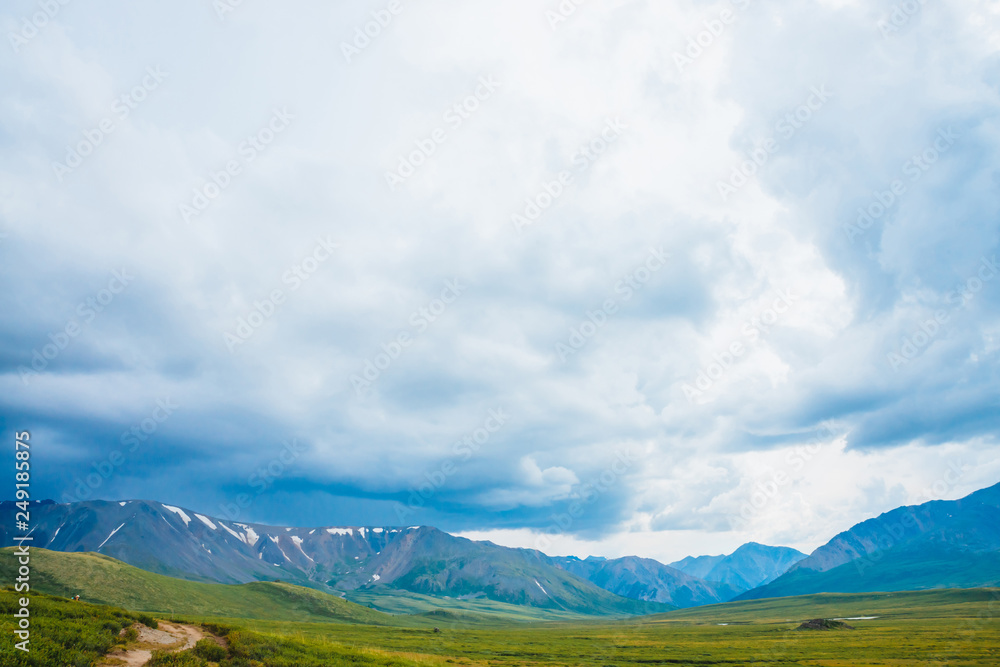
(821, 362)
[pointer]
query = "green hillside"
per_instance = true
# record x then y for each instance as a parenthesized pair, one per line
(104, 580)
(62, 632)
(478, 610)
(946, 603)
(275, 625)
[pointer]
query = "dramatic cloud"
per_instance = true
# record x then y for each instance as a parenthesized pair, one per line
(619, 277)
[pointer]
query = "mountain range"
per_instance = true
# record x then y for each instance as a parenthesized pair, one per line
(647, 579)
(936, 544)
(939, 544)
(748, 567)
(179, 542)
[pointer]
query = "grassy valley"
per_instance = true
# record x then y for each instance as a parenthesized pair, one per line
(954, 627)
(280, 625)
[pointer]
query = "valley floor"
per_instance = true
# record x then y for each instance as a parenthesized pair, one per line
(957, 628)
(942, 641)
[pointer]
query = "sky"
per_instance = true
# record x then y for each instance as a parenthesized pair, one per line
(631, 277)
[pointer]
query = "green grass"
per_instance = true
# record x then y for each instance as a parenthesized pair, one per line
(62, 632)
(958, 628)
(279, 625)
(104, 580)
(936, 604)
(953, 641)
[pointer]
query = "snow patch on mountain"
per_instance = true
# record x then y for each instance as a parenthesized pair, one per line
(252, 536)
(111, 535)
(232, 532)
(178, 511)
(298, 542)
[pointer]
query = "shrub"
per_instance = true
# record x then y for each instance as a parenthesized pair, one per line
(63, 632)
(215, 629)
(184, 659)
(209, 650)
(148, 621)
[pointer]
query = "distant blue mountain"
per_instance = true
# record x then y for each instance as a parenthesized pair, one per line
(942, 543)
(647, 579)
(749, 566)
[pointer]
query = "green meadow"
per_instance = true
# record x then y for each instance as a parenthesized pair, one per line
(280, 625)
(955, 627)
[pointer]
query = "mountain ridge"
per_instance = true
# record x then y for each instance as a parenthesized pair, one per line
(912, 547)
(751, 565)
(179, 542)
(953, 543)
(646, 579)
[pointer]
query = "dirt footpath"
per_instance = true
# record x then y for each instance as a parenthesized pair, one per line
(170, 636)
(190, 633)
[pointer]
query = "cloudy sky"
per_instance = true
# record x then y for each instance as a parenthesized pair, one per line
(629, 277)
